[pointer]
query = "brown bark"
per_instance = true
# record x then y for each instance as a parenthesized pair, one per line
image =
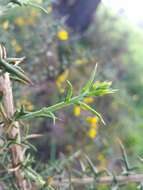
(14, 131)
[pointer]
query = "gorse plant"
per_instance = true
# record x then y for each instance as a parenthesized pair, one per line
(91, 89)
(16, 158)
(16, 161)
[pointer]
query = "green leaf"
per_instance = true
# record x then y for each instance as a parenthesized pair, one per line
(15, 78)
(87, 107)
(15, 60)
(92, 166)
(44, 112)
(35, 5)
(19, 113)
(53, 117)
(14, 70)
(89, 84)
(100, 89)
(16, 2)
(69, 92)
(19, 68)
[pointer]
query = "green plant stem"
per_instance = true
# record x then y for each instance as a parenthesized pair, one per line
(52, 108)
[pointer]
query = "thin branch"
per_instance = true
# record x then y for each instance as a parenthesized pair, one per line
(136, 178)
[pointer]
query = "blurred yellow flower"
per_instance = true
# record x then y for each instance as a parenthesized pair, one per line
(49, 180)
(88, 100)
(31, 21)
(69, 148)
(34, 13)
(61, 79)
(49, 9)
(92, 133)
(80, 61)
(63, 35)
(28, 105)
(102, 160)
(76, 111)
(19, 21)
(100, 157)
(16, 46)
(5, 25)
(93, 121)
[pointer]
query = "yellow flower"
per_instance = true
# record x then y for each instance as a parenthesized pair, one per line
(63, 35)
(92, 133)
(77, 111)
(5, 25)
(16, 46)
(93, 121)
(61, 79)
(88, 100)
(20, 21)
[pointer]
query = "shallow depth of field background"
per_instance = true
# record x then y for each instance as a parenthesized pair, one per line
(56, 52)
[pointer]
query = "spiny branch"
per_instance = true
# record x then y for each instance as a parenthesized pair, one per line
(16, 150)
(136, 178)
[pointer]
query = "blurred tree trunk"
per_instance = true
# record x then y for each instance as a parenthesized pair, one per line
(78, 13)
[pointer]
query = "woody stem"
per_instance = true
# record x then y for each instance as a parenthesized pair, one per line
(14, 131)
